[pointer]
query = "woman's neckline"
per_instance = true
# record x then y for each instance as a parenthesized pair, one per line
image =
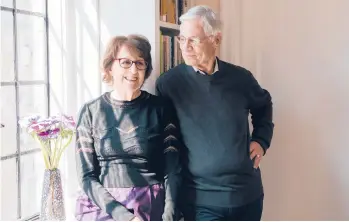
(125, 103)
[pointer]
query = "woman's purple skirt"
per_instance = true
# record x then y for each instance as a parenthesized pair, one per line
(147, 203)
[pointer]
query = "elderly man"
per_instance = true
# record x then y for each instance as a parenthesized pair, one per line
(212, 100)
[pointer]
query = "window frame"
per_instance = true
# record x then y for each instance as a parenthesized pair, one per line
(17, 84)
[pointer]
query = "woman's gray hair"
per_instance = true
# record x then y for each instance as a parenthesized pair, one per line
(210, 21)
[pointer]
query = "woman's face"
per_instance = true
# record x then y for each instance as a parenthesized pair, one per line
(128, 71)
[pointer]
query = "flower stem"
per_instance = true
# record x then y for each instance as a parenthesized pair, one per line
(55, 152)
(57, 149)
(44, 152)
(61, 150)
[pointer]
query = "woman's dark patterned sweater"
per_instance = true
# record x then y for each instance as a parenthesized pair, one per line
(127, 144)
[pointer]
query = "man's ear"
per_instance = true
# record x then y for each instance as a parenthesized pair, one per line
(218, 39)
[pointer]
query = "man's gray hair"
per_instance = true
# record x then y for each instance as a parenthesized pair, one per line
(210, 21)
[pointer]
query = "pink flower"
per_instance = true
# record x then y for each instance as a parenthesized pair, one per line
(68, 122)
(50, 127)
(29, 120)
(60, 128)
(49, 134)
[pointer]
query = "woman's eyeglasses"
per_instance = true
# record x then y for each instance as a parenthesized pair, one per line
(127, 63)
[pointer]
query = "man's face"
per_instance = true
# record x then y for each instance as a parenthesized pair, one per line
(197, 48)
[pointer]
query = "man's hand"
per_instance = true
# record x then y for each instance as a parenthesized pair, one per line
(256, 152)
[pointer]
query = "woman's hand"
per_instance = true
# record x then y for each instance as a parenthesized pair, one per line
(135, 219)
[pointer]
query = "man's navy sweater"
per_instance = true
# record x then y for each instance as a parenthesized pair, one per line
(213, 115)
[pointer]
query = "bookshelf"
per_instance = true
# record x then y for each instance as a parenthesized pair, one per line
(168, 27)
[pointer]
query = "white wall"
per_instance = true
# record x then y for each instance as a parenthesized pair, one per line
(120, 17)
(299, 51)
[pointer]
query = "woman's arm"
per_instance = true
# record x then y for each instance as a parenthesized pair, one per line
(88, 170)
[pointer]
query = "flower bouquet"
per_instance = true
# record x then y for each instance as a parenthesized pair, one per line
(54, 134)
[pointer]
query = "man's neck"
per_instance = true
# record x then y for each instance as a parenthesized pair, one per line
(208, 67)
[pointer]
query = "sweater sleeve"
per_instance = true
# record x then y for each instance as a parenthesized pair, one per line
(88, 170)
(172, 162)
(261, 108)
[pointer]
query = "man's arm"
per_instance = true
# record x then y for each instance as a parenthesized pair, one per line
(158, 89)
(172, 146)
(261, 108)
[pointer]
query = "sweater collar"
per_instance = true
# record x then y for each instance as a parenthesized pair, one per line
(216, 68)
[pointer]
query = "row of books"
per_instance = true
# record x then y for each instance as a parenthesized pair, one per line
(171, 10)
(170, 53)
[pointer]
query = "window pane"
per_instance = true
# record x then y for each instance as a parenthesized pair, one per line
(31, 47)
(7, 47)
(8, 189)
(31, 5)
(8, 118)
(32, 101)
(32, 172)
(7, 3)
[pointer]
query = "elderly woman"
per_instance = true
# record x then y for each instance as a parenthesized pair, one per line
(127, 143)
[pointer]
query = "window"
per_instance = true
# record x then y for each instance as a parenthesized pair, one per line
(24, 91)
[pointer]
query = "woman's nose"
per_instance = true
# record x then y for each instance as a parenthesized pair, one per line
(133, 68)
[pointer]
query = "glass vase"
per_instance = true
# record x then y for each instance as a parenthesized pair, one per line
(52, 201)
